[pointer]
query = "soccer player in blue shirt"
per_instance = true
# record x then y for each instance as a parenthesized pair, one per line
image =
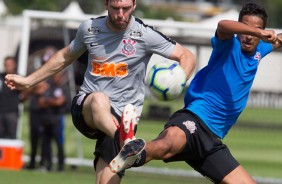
(110, 100)
(214, 100)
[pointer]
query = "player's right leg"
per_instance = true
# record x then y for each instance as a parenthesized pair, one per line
(92, 115)
(170, 142)
(238, 175)
(104, 174)
(97, 114)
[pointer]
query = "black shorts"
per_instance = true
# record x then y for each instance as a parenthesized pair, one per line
(106, 147)
(204, 151)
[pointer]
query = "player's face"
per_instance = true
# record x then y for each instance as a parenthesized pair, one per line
(249, 43)
(119, 13)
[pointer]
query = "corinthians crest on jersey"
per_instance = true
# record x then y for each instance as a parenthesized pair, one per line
(128, 48)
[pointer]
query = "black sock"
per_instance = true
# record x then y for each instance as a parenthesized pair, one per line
(140, 160)
(116, 139)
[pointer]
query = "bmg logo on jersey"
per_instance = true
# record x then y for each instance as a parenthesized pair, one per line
(109, 69)
(129, 47)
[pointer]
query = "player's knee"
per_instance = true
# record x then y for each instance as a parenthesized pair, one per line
(164, 144)
(174, 141)
(162, 150)
(99, 99)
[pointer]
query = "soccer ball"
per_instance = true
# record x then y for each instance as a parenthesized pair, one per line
(166, 81)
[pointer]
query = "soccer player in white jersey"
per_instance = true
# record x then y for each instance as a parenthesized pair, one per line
(111, 97)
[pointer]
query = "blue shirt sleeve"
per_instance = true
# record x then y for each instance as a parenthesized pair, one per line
(222, 45)
(264, 48)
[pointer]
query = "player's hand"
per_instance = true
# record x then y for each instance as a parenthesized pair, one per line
(18, 82)
(269, 36)
(279, 38)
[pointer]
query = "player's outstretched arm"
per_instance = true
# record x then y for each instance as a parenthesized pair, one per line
(227, 28)
(185, 57)
(57, 62)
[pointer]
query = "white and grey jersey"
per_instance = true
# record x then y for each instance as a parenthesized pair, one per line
(117, 61)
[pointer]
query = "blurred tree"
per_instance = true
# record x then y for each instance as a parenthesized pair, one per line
(274, 12)
(144, 11)
(17, 6)
(88, 6)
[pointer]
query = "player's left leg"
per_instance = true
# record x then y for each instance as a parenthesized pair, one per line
(128, 124)
(128, 155)
(238, 175)
(104, 174)
(131, 147)
(170, 142)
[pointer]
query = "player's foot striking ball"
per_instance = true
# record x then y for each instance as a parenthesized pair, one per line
(127, 155)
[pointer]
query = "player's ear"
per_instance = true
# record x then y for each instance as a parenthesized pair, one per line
(134, 4)
(106, 4)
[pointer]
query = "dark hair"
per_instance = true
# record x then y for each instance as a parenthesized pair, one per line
(132, 1)
(254, 9)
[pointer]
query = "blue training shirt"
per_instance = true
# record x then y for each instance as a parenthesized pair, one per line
(219, 92)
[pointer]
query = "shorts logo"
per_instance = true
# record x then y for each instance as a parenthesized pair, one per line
(128, 48)
(191, 126)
